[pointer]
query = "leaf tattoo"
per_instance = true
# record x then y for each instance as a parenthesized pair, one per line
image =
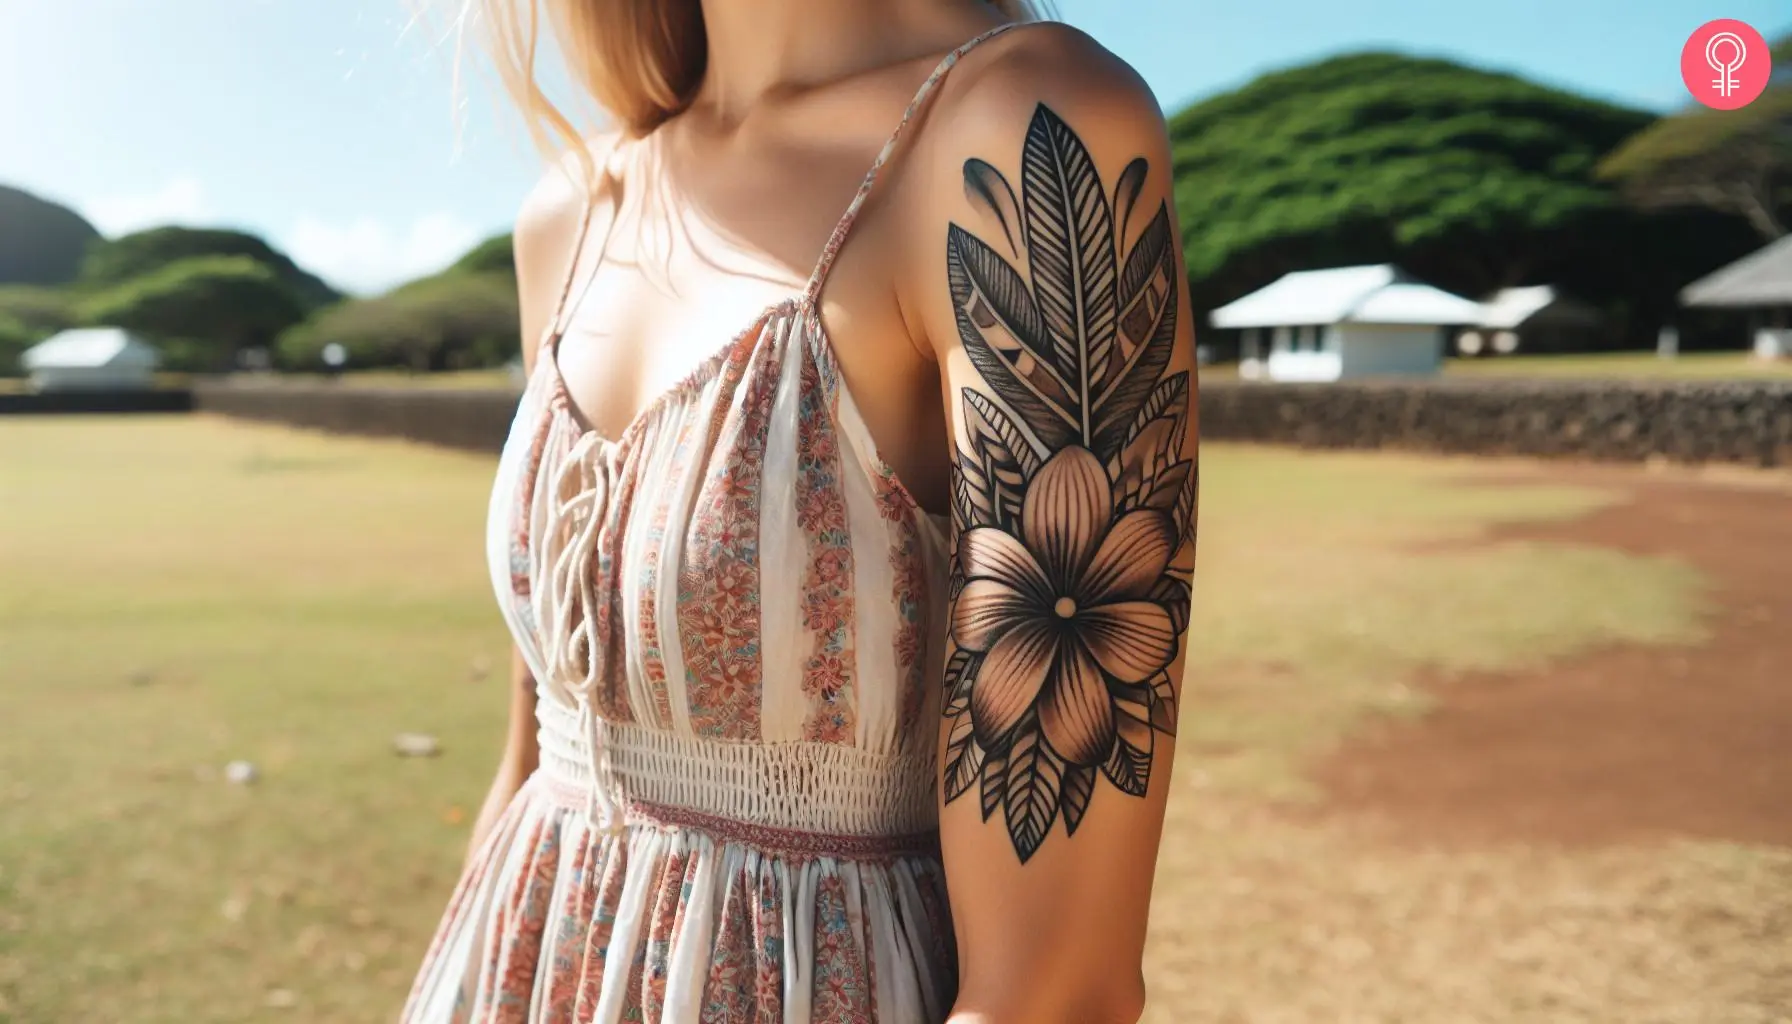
(1072, 491)
(985, 186)
(1128, 189)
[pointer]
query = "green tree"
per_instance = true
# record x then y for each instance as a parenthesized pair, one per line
(114, 262)
(1737, 162)
(28, 315)
(212, 306)
(490, 256)
(40, 242)
(1472, 179)
(15, 338)
(452, 320)
(37, 308)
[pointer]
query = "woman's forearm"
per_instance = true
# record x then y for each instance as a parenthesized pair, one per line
(1105, 1001)
(503, 789)
(522, 752)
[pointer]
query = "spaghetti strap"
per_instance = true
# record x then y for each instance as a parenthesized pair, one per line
(826, 263)
(568, 301)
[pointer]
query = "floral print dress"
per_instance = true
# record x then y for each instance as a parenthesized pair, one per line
(732, 611)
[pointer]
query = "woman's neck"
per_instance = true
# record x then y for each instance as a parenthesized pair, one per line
(760, 48)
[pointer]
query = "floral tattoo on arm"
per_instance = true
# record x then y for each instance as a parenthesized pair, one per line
(1072, 494)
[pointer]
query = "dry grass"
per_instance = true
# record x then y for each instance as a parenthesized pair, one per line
(1598, 366)
(1259, 919)
(181, 592)
(1633, 365)
(497, 379)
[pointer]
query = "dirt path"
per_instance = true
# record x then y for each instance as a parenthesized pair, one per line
(1621, 743)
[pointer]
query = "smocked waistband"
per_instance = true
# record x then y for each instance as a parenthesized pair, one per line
(814, 789)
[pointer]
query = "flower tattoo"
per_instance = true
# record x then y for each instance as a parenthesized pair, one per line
(1072, 494)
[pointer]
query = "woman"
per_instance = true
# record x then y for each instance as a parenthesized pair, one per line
(847, 557)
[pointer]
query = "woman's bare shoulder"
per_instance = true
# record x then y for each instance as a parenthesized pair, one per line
(547, 232)
(1046, 62)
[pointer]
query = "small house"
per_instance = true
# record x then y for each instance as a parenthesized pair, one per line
(91, 359)
(1323, 325)
(1534, 319)
(1759, 284)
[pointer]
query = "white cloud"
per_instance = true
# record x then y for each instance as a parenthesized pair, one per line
(369, 255)
(180, 201)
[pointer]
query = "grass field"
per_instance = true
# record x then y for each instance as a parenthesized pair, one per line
(499, 378)
(181, 592)
(1627, 365)
(1598, 366)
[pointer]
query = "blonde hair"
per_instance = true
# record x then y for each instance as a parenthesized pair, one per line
(640, 60)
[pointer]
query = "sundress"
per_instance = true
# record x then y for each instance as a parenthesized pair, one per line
(733, 611)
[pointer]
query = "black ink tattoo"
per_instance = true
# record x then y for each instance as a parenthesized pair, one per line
(1071, 492)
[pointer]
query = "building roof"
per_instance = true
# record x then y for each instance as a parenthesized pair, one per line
(90, 348)
(1762, 278)
(1377, 294)
(1510, 308)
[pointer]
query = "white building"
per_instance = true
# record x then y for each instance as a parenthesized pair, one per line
(1759, 283)
(1320, 325)
(91, 359)
(1534, 318)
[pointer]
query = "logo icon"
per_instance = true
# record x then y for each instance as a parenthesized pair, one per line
(1725, 64)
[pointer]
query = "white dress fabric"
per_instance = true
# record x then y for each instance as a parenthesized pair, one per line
(735, 615)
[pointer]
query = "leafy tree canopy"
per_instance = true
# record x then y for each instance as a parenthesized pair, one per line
(37, 308)
(452, 320)
(1470, 178)
(215, 304)
(15, 338)
(40, 242)
(490, 256)
(1737, 162)
(147, 252)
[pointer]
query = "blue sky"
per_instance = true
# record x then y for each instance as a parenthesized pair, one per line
(328, 128)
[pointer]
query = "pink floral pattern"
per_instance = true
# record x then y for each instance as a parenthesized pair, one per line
(842, 972)
(827, 581)
(652, 658)
(729, 993)
(746, 979)
(514, 955)
(566, 955)
(532, 931)
(546, 959)
(608, 640)
(718, 593)
(909, 591)
(668, 911)
(603, 925)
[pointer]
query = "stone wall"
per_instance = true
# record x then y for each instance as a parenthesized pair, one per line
(1739, 422)
(1720, 421)
(475, 420)
(91, 402)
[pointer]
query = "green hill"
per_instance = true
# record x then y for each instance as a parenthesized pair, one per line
(1474, 179)
(114, 262)
(40, 242)
(462, 317)
(1471, 179)
(493, 254)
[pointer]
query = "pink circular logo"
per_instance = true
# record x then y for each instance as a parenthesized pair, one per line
(1725, 64)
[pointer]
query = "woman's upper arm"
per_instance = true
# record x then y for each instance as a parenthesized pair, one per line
(1052, 291)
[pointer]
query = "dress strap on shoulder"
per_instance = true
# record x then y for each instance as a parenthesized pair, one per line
(915, 106)
(571, 290)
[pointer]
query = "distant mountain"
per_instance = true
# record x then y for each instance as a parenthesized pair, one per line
(122, 259)
(40, 242)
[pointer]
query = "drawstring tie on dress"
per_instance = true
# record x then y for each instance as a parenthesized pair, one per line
(577, 503)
